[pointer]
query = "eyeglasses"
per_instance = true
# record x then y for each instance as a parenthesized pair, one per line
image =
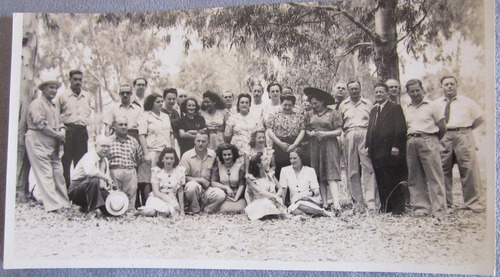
(125, 93)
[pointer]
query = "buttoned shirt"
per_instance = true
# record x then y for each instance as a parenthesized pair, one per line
(463, 111)
(41, 113)
(423, 118)
(355, 114)
(196, 166)
(131, 112)
(298, 184)
(124, 153)
(90, 165)
(157, 130)
(75, 109)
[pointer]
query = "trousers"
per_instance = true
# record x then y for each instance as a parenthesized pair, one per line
(210, 198)
(75, 147)
(126, 180)
(87, 194)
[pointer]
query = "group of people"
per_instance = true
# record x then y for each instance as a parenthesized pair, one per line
(172, 154)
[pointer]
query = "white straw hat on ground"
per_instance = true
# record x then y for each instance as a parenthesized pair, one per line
(116, 202)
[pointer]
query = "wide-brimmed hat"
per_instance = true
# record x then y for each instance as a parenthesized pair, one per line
(320, 95)
(49, 81)
(116, 202)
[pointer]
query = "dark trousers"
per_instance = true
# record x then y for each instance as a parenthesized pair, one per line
(281, 157)
(392, 198)
(74, 148)
(87, 194)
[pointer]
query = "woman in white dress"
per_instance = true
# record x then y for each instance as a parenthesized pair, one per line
(303, 184)
(167, 180)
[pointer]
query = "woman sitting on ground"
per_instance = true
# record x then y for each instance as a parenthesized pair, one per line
(229, 176)
(303, 184)
(263, 192)
(258, 145)
(167, 180)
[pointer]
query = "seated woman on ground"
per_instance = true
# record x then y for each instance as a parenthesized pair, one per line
(303, 184)
(263, 193)
(167, 180)
(229, 175)
(258, 145)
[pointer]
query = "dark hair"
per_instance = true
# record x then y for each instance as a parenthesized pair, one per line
(233, 148)
(242, 96)
(272, 84)
(169, 90)
(203, 132)
(253, 166)
(135, 81)
(184, 105)
(414, 82)
(288, 97)
(150, 100)
(304, 158)
(253, 136)
(318, 97)
(448, 77)
(167, 150)
(380, 84)
(352, 82)
(75, 71)
(214, 97)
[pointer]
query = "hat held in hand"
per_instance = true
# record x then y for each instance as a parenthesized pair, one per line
(116, 202)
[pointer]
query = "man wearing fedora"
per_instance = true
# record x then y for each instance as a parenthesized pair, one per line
(44, 144)
(360, 175)
(91, 178)
(127, 108)
(124, 156)
(75, 106)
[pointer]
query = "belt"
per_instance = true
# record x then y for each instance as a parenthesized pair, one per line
(459, 129)
(420, 135)
(73, 125)
(121, 167)
(355, 128)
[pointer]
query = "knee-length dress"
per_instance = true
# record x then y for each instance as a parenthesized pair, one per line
(168, 184)
(325, 153)
(241, 128)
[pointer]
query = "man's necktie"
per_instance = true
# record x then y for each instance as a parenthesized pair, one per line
(447, 111)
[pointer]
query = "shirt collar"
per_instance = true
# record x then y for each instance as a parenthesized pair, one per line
(424, 101)
(383, 104)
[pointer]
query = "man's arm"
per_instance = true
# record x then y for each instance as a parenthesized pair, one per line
(442, 128)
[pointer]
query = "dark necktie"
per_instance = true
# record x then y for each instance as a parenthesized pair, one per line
(447, 111)
(376, 116)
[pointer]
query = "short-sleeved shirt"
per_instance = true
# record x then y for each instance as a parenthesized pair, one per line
(234, 177)
(305, 181)
(124, 154)
(131, 112)
(463, 111)
(355, 114)
(286, 125)
(197, 167)
(90, 165)
(41, 113)
(423, 118)
(157, 130)
(75, 109)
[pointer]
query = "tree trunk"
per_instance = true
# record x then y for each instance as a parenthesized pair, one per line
(386, 56)
(27, 93)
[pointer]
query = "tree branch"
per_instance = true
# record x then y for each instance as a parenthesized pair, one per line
(376, 38)
(413, 28)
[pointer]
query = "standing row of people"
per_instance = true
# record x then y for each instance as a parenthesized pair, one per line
(375, 141)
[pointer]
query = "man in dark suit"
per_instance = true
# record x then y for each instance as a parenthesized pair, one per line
(386, 143)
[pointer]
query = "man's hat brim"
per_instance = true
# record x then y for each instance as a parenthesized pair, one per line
(42, 84)
(320, 95)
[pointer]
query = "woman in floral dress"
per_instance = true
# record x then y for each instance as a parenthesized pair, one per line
(214, 111)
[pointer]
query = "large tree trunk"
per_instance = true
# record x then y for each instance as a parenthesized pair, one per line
(26, 93)
(386, 56)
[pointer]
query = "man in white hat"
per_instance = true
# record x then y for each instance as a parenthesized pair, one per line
(91, 179)
(44, 144)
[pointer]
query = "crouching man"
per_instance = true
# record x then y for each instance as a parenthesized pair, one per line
(91, 180)
(198, 190)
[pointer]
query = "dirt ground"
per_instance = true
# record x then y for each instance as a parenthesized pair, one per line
(457, 239)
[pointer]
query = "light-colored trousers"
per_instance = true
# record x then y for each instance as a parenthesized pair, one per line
(425, 176)
(362, 184)
(126, 180)
(211, 198)
(459, 147)
(44, 156)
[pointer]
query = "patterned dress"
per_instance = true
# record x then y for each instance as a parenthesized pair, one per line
(168, 184)
(241, 128)
(260, 205)
(215, 124)
(325, 153)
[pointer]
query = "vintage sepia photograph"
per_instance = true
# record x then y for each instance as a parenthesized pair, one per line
(325, 136)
